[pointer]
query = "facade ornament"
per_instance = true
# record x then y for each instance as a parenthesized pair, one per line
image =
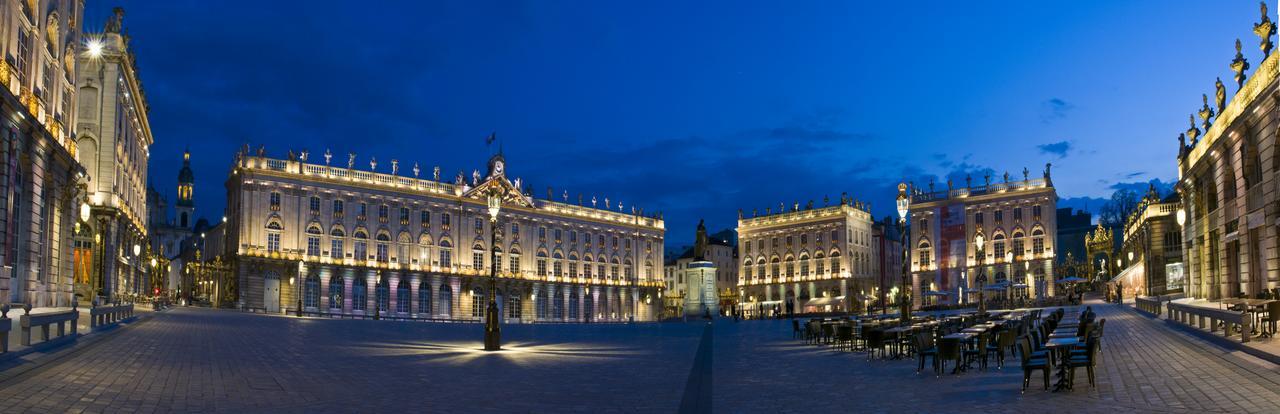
(1220, 94)
(620, 209)
(795, 206)
(565, 196)
(782, 208)
(1026, 174)
(826, 200)
(373, 163)
(950, 185)
(931, 184)
(579, 199)
(986, 179)
(1264, 29)
(351, 160)
(116, 21)
(395, 166)
(768, 210)
(416, 170)
(517, 184)
(435, 173)
(809, 206)
(262, 150)
(1182, 145)
(1192, 132)
(1239, 65)
(475, 177)
(606, 203)
(739, 214)
(1006, 178)
(1047, 167)
(844, 198)
(755, 212)
(593, 201)
(1205, 113)
(304, 155)
(292, 156)
(549, 193)
(328, 156)
(968, 181)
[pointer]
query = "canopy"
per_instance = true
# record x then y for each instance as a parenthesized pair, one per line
(1072, 279)
(936, 293)
(1020, 285)
(820, 302)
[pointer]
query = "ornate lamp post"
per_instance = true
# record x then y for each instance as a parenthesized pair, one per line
(492, 329)
(904, 298)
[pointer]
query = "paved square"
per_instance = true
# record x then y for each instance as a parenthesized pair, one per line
(197, 360)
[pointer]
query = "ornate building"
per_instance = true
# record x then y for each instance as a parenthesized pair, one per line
(344, 241)
(964, 238)
(114, 137)
(38, 167)
(806, 260)
(1227, 169)
(1152, 249)
(886, 254)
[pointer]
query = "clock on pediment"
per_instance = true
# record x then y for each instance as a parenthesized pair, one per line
(497, 166)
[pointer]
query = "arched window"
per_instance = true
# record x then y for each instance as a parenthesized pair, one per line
(335, 292)
(790, 265)
(382, 254)
(628, 270)
(311, 294)
(273, 236)
(998, 246)
(925, 254)
(513, 259)
(557, 303)
(514, 301)
(477, 303)
(424, 298)
(1019, 248)
(446, 301)
(403, 249)
(361, 245)
(541, 302)
(424, 250)
(313, 240)
(746, 268)
(359, 294)
(573, 263)
(613, 270)
(1037, 241)
(573, 304)
(403, 297)
(383, 297)
(540, 263)
(804, 265)
(446, 253)
(819, 262)
(776, 266)
(336, 236)
(600, 264)
(835, 263)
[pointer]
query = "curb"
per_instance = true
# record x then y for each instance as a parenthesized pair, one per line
(14, 364)
(1211, 337)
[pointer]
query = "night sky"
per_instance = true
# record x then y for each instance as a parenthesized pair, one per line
(696, 109)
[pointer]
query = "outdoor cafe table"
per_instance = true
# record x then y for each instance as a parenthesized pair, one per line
(1061, 348)
(897, 333)
(959, 338)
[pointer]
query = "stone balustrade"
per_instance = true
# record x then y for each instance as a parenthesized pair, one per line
(102, 316)
(42, 322)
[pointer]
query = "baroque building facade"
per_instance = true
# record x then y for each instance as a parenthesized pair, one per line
(39, 173)
(1152, 248)
(805, 260)
(963, 238)
(1227, 169)
(336, 240)
(113, 137)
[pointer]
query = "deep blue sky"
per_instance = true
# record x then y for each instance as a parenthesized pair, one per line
(693, 108)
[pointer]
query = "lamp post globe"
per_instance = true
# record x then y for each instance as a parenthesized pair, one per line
(904, 300)
(1181, 216)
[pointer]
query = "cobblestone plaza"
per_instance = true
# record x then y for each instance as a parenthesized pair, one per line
(198, 360)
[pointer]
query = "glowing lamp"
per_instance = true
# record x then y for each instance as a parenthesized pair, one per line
(1181, 216)
(84, 212)
(94, 48)
(137, 250)
(903, 201)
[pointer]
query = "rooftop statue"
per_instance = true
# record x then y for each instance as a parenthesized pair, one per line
(1220, 94)
(1192, 132)
(1264, 29)
(1239, 65)
(1205, 113)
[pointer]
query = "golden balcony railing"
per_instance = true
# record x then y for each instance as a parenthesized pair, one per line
(6, 74)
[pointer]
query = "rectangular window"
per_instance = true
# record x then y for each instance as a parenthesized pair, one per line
(477, 260)
(446, 258)
(479, 224)
(444, 221)
(404, 216)
(337, 209)
(600, 240)
(1035, 213)
(425, 219)
(362, 211)
(573, 236)
(804, 239)
(615, 242)
(557, 235)
(999, 217)
(24, 55)
(788, 241)
(1017, 213)
(336, 246)
(361, 250)
(977, 218)
(835, 236)
(275, 201)
(315, 205)
(542, 267)
(381, 252)
(273, 242)
(515, 264)
(556, 268)
(542, 233)
(383, 213)
(573, 270)
(515, 230)
(313, 246)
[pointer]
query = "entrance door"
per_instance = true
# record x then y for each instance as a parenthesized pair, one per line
(271, 294)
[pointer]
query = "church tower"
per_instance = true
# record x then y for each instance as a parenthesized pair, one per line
(186, 206)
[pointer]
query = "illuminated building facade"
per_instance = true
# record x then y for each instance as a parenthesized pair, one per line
(339, 240)
(113, 137)
(1012, 223)
(1227, 169)
(39, 197)
(1152, 249)
(806, 260)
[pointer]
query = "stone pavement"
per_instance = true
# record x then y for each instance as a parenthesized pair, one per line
(1144, 367)
(199, 360)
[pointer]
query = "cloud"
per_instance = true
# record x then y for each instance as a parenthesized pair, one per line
(1054, 109)
(1134, 174)
(1060, 148)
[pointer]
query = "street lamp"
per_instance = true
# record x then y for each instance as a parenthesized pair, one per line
(1181, 215)
(492, 329)
(904, 202)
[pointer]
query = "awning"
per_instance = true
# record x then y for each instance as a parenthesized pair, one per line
(821, 302)
(936, 293)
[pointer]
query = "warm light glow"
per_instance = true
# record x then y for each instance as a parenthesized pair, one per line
(978, 239)
(1008, 257)
(93, 47)
(153, 262)
(1130, 256)
(137, 250)
(1182, 216)
(84, 212)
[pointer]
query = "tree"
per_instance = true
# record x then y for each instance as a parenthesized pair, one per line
(1116, 210)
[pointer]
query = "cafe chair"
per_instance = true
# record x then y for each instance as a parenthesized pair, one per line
(948, 350)
(1088, 361)
(925, 348)
(1031, 364)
